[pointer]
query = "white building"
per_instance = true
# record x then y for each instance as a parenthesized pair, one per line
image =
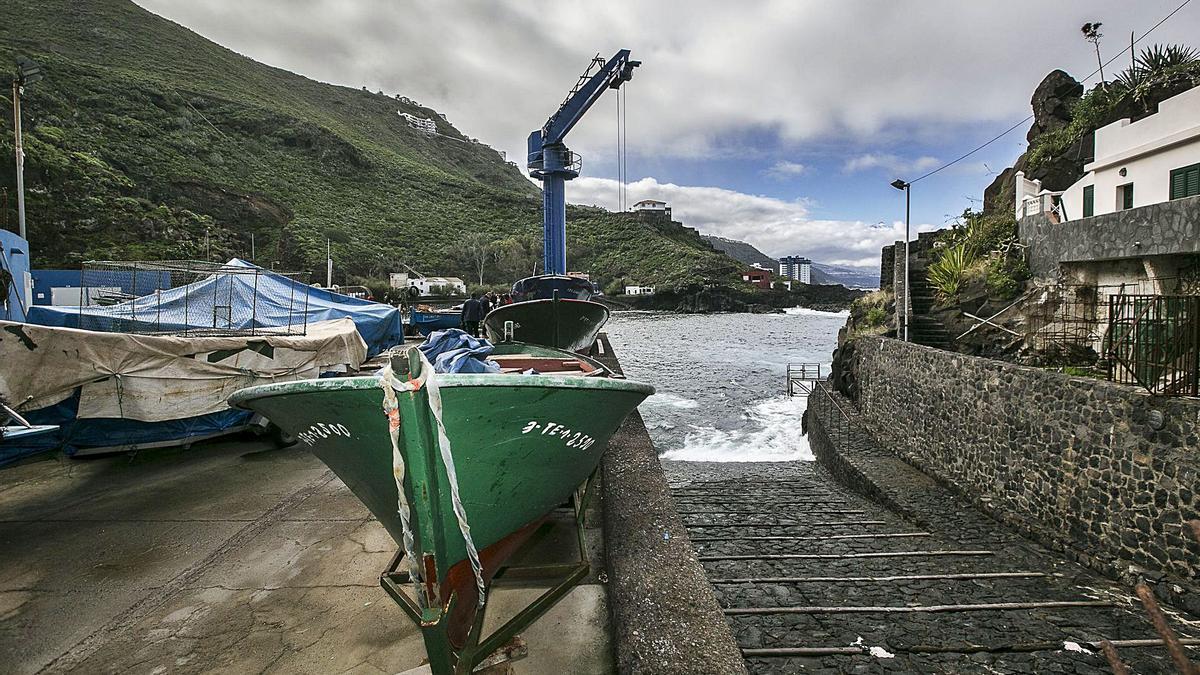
(796, 268)
(639, 290)
(652, 207)
(1152, 160)
(428, 285)
(422, 124)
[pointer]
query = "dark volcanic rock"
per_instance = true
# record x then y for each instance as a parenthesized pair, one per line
(1052, 102)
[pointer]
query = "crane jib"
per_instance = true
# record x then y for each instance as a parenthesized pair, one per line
(553, 163)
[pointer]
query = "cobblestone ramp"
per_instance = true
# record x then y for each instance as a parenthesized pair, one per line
(814, 577)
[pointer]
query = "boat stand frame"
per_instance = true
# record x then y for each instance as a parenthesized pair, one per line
(443, 657)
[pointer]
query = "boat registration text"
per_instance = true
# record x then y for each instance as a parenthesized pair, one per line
(572, 439)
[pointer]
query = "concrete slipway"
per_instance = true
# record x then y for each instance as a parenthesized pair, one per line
(231, 557)
(235, 556)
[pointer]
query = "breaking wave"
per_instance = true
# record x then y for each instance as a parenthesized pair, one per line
(667, 399)
(772, 434)
(805, 311)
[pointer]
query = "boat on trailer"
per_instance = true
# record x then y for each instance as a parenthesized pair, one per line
(461, 469)
(551, 310)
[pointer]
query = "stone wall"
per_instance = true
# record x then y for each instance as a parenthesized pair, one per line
(1105, 470)
(1166, 228)
(887, 259)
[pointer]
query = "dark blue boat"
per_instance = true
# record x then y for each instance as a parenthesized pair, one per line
(427, 322)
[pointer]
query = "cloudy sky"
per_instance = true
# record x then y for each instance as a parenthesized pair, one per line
(779, 123)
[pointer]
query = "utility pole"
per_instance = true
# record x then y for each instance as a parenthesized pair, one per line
(16, 95)
(251, 247)
(328, 264)
(28, 72)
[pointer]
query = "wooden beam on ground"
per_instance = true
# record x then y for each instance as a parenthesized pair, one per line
(840, 556)
(881, 579)
(784, 537)
(922, 609)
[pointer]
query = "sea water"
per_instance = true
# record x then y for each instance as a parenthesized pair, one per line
(721, 379)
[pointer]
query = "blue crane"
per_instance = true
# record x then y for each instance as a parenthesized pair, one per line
(551, 162)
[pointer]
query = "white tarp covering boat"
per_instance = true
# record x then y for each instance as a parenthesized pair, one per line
(118, 377)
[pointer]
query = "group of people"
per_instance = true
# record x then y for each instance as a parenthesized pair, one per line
(478, 306)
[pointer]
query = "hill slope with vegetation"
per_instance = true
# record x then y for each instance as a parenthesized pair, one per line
(148, 141)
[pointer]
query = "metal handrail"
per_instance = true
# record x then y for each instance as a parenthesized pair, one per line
(843, 430)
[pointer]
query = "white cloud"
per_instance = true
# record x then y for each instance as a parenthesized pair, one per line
(777, 227)
(896, 166)
(714, 72)
(784, 169)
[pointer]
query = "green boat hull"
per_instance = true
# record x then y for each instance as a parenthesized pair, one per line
(521, 446)
(564, 324)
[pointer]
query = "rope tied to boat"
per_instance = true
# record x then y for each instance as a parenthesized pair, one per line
(460, 514)
(391, 408)
(391, 384)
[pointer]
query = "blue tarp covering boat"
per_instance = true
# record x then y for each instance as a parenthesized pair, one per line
(428, 322)
(265, 300)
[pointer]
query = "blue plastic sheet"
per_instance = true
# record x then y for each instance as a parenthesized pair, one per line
(75, 434)
(455, 351)
(265, 300)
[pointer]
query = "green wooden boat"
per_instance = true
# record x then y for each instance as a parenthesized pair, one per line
(562, 323)
(519, 446)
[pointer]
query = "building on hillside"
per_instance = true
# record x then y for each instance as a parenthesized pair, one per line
(757, 275)
(422, 124)
(652, 207)
(639, 290)
(1118, 262)
(1153, 160)
(796, 268)
(428, 285)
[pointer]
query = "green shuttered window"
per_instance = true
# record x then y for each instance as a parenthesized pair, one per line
(1089, 201)
(1185, 182)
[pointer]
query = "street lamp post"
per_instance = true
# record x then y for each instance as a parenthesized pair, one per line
(901, 185)
(28, 72)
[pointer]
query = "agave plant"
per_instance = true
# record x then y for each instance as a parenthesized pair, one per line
(946, 273)
(1156, 63)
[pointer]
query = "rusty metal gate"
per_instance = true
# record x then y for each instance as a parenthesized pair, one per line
(1154, 341)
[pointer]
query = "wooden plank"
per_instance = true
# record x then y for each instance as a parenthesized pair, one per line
(879, 579)
(783, 652)
(830, 537)
(839, 556)
(922, 609)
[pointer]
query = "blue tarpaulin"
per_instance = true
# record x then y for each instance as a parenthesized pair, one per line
(454, 351)
(241, 301)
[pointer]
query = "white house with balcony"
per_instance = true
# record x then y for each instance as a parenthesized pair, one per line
(1152, 160)
(652, 207)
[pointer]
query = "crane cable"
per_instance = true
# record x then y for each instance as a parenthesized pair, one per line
(624, 152)
(620, 150)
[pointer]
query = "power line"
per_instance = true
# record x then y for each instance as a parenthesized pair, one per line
(1090, 75)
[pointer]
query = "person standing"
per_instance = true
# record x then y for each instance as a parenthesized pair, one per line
(485, 303)
(472, 314)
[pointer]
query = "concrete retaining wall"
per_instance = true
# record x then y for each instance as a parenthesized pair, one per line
(665, 617)
(1104, 470)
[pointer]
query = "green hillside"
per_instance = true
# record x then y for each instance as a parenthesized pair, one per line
(145, 136)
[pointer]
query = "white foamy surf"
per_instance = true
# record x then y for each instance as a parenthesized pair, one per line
(772, 434)
(721, 379)
(804, 311)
